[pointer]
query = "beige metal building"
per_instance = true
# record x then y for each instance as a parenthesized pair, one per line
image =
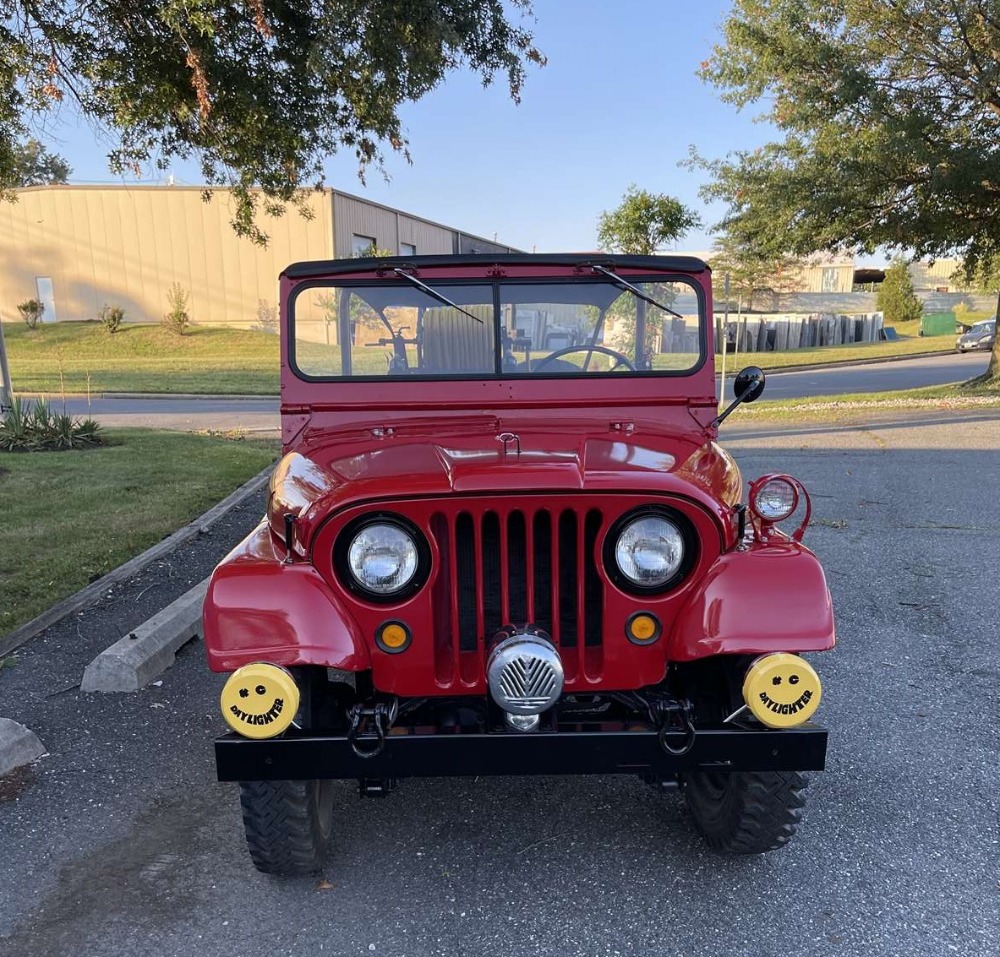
(77, 248)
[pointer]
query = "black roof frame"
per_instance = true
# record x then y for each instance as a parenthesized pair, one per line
(330, 267)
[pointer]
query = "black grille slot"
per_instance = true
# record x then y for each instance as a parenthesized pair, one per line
(593, 593)
(492, 608)
(567, 579)
(465, 573)
(517, 568)
(542, 578)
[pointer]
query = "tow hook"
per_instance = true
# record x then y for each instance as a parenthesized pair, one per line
(672, 717)
(369, 725)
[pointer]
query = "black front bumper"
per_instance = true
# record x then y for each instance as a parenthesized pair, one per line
(299, 755)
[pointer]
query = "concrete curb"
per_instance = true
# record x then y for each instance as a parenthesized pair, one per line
(18, 746)
(133, 661)
(88, 595)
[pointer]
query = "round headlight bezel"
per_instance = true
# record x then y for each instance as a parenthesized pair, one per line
(689, 556)
(342, 563)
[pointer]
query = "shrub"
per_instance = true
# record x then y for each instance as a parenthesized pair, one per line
(895, 296)
(176, 319)
(34, 427)
(267, 318)
(112, 317)
(31, 311)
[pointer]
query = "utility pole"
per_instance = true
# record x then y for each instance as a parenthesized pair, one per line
(6, 390)
(724, 336)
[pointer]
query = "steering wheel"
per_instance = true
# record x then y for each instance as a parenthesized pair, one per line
(622, 360)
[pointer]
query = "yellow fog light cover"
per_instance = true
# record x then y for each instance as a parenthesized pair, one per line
(782, 690)
(259, 700)
(642, 628)
(393, 637)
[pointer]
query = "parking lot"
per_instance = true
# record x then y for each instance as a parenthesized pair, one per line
(121, 842)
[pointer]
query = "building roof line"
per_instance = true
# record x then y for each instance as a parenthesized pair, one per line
(330, 190)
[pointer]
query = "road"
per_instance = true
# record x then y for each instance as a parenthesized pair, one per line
(261, 415)
(874, 377)
(120, 842)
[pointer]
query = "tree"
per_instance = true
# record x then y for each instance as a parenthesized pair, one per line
(261, 92)
(889, 115)
(895, 296)
(752, 274)
(34, 165)
(644, 222)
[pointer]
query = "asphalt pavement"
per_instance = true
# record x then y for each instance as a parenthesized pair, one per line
(121, 841)
(869, 377)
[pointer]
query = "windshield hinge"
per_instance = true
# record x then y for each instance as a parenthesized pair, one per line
(627, 427)
(496, 271)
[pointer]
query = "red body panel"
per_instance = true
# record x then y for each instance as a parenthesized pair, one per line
(770, 598)
(260, 609)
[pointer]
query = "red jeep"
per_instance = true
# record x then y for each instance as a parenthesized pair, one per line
(503, 540)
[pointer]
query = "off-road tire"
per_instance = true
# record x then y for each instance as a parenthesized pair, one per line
(746, 812)
(287, 824)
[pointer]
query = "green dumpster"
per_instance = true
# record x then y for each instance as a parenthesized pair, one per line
(938, 324)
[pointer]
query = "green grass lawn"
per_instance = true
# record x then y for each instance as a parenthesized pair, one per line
(77, 357)
(69, 517)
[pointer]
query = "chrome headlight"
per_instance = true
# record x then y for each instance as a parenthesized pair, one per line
(774, 499)
(650, 550)
(383, 557)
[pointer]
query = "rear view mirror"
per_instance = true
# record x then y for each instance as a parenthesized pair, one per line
(749, 384)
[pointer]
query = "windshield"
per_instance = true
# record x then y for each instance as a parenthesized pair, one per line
(502, 329)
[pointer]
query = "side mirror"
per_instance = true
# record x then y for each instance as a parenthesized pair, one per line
(747, 387)
(749, 384)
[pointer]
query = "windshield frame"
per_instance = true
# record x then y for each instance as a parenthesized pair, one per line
(496, 284)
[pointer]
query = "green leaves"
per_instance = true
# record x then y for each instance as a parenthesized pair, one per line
(895, 296)
(644, 222)
(890, 115)
(260, 92)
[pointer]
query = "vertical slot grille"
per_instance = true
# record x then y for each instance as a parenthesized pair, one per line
(526, 566)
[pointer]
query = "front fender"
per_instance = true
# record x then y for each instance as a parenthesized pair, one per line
(259, 608)
(769, 598)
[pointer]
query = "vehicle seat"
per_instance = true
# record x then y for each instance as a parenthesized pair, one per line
(454, 342)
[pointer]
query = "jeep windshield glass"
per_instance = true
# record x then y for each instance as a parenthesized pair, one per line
(579, 327)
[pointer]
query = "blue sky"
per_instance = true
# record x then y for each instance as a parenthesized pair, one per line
(618, 103)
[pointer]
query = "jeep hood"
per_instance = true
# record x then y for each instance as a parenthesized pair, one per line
(346, 473)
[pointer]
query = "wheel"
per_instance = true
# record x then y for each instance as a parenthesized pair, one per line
(746, 812)
(622, 360)
(287, 824)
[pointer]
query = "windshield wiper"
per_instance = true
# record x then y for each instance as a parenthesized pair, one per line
(625, 284)
(403, 274)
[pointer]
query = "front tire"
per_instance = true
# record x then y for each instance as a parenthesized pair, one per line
(287, 824)
(746, 812)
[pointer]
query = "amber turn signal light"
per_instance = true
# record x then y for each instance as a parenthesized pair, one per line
(643, 628)
(393, 637)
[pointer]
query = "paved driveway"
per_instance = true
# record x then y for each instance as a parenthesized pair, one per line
(120, 842)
